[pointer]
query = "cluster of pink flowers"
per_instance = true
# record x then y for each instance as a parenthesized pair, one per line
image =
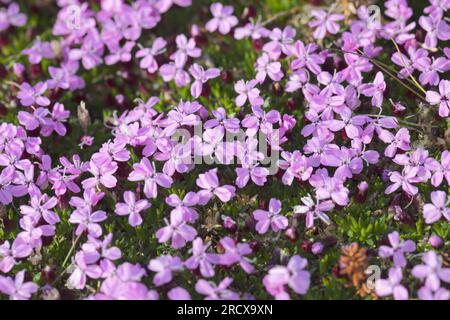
(339, 141)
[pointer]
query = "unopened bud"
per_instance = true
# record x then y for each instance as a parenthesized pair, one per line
(83, 116)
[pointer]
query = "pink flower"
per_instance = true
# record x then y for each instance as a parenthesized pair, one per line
(392, 285)
(432, 271)
(404, 180)
(132, 208)
(201, 76)
(29, 95)
(375, 90)
(247, 90)
(148, 55)
(264, 66)
(177, 230)
(17, 289)
(292, 275)
(325, 21)
(216, 292)
(271, 218)
(223, 19)
(314, 210)
(235, 253)
(432, 212)
(441, 98)
(164, 266)
(185, 48)
(209, 182)
(145, 171)
(103, 172)
(397, 250)
(201, 259)
(184, 206)
(88, 221)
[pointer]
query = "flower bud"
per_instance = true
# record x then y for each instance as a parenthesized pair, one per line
(435, 241)
(83, 116)
(48, 274)
(291, 234)
(361, 193)
(290, 104)
(306, 245)
(229, 224)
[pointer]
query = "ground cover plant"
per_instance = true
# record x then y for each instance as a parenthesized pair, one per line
(178, 149)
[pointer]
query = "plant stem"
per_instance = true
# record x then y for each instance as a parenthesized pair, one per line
(72, 248)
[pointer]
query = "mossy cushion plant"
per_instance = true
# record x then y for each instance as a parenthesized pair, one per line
(178, 149)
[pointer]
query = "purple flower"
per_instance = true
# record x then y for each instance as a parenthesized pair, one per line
(132, 208)
(430, 68)
(440, 170)
(292, 275)
(164, 266)
(314, 210)
(40, 50)
(200, 77)
(325, 21)
(88, 221)
(174, 71)
(119, 54)
(185, 48)
(34, 120)
(295, 165)
(252, 29)
(375, 90)
(247, 90)
(12, 16)
(400, 141)
(271, 218)
(178, 293)
(184, 206)
(392, 285)
(209, 182)
(297, 80)
(305, 56)
(9, 253)
(223, 19)
(264, 66)
(40, 207)
(441, 98)
(58, 116)
(329, 187)
(29, 95)
(216, 292)
(90, 53)
(177, 230)
(426, 293)
(84, 266)
(103, 172)
(17, 289)
(165, 5)
(280, 42)
(432, 271)
(236, 254)
(201, 259)
(404, 180)
(148, 55)
(229, 124)
(145, 171)
(435, 28)
(397, 250)
(432, 212)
